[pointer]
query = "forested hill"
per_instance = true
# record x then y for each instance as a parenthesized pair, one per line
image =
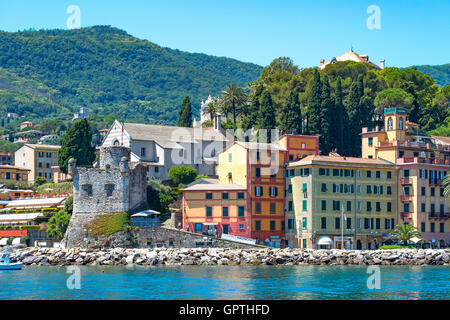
(51, 73)
(439, 73)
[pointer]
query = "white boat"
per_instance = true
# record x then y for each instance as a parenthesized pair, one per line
(5, 264)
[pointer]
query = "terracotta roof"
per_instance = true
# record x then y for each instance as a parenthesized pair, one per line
(13, 167)
(340, 159)
(214, 187)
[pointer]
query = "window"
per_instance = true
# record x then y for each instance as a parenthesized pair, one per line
(290, 224)
(358, 223)
(369, 174)
(441, 192)
(323, 222)
(87, 188)
(369, 189)
(209, 211)
(349, 223)
(336, 205)
(337, 223)
(389, 207)
(47, 165)
(406, 191)
(272, 208)
(8, 175)
(358, 174)
(241, 227)
(378, 174)
(432, 227)
(226, 228)
(241, 211)
(389, 175)
(349, 206)
(257, 172)
(109, 188)
(230, 157)
(324, 204)
(441, 227)
(377, 223)
(304, 223)
(305, 205)
(258, 191)
(257, 225)
(225, 196)
(401, 154)
(324, 187)
(305, 188)
(400, 123)
(423, 191)
(156, 169)
(432, 192)
(224, 211)
(422, 227)
(369, 206)
(273, 191)
(370, 141)
(324, 171)
(258, 207)
(406, 173)
(40, 164)
(198, 227)
(240, 195)
(358, 189)
(423, 207)
(272, 225)
(290, 205)
(358, 206)
(290, 188)
(389, 190)
(142, 152)
(258, 156)
(390, 127)
(406, 207)
(209, 196)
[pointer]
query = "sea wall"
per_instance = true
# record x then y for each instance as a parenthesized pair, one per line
(220, 256)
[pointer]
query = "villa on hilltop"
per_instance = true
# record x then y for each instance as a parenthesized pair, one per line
(351, 56)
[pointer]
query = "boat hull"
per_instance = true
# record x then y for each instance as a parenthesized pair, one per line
(12, 266)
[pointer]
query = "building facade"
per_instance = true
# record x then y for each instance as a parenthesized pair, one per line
(321, 188)
(163, 147)
(13, 174)
(39, 159)
(424, 162)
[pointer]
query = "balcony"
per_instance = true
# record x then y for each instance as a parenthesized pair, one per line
(405, 181)
(436, 182)
(406, 198)
(439, 215)
(406, 215)
(423, 160)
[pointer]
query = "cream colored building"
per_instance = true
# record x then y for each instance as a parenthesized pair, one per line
(351, 56)
(39, 158)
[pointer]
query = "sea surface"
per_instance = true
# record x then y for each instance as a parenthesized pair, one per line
(226, 282)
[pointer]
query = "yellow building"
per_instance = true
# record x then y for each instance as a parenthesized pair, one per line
(423, 161)
(39, 159)
(320, 188)
(13, 174)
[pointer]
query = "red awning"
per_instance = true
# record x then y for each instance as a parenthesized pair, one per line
(13, 233)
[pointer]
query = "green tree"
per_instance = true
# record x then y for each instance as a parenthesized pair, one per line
(251, 113)
(391, 98)
(185, 117)
(446, 184)
(405, 233)
(290, 114)
(40, 181)
(314, 122)
(68, 205)
(339, 116)
(326, 116)
(234, 96)
(77, 143)
(267, 120)
(182, 175)
(57, 225)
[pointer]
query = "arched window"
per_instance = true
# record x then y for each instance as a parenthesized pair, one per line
(390, 124)
(116, 143)
(400, 124)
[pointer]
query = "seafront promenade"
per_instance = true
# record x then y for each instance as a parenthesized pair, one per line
(220, 256)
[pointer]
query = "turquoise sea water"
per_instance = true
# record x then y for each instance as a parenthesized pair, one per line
(227, 282)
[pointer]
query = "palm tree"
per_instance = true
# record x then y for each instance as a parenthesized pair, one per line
(233, 96)
(212, 108)
(405, 232)
(446, 184)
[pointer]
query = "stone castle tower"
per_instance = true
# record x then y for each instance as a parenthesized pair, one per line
(113, 185)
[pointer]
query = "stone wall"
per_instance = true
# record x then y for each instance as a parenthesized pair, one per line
(162, 237)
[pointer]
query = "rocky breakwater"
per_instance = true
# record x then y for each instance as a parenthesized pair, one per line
(217, 256)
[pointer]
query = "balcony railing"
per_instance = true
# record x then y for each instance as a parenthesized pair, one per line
(423, 160)
(406, 215)
(406, 198)
(406, 181)
(436, 182)
(439, 215)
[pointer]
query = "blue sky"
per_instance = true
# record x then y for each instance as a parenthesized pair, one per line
(412, 32)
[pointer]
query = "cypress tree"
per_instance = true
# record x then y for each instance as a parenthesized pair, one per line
(338, 123)
(326, 114)
(250, 116)
(267, 114)
(352, 107)
(290, 114)
(185, 117)
(314, 105)
(77, 143)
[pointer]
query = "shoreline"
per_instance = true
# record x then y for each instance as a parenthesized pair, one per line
(223, 256)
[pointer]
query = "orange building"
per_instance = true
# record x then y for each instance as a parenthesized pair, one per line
(257, 168)
(13, 174)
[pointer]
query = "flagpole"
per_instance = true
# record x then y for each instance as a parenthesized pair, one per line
(342, 227)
